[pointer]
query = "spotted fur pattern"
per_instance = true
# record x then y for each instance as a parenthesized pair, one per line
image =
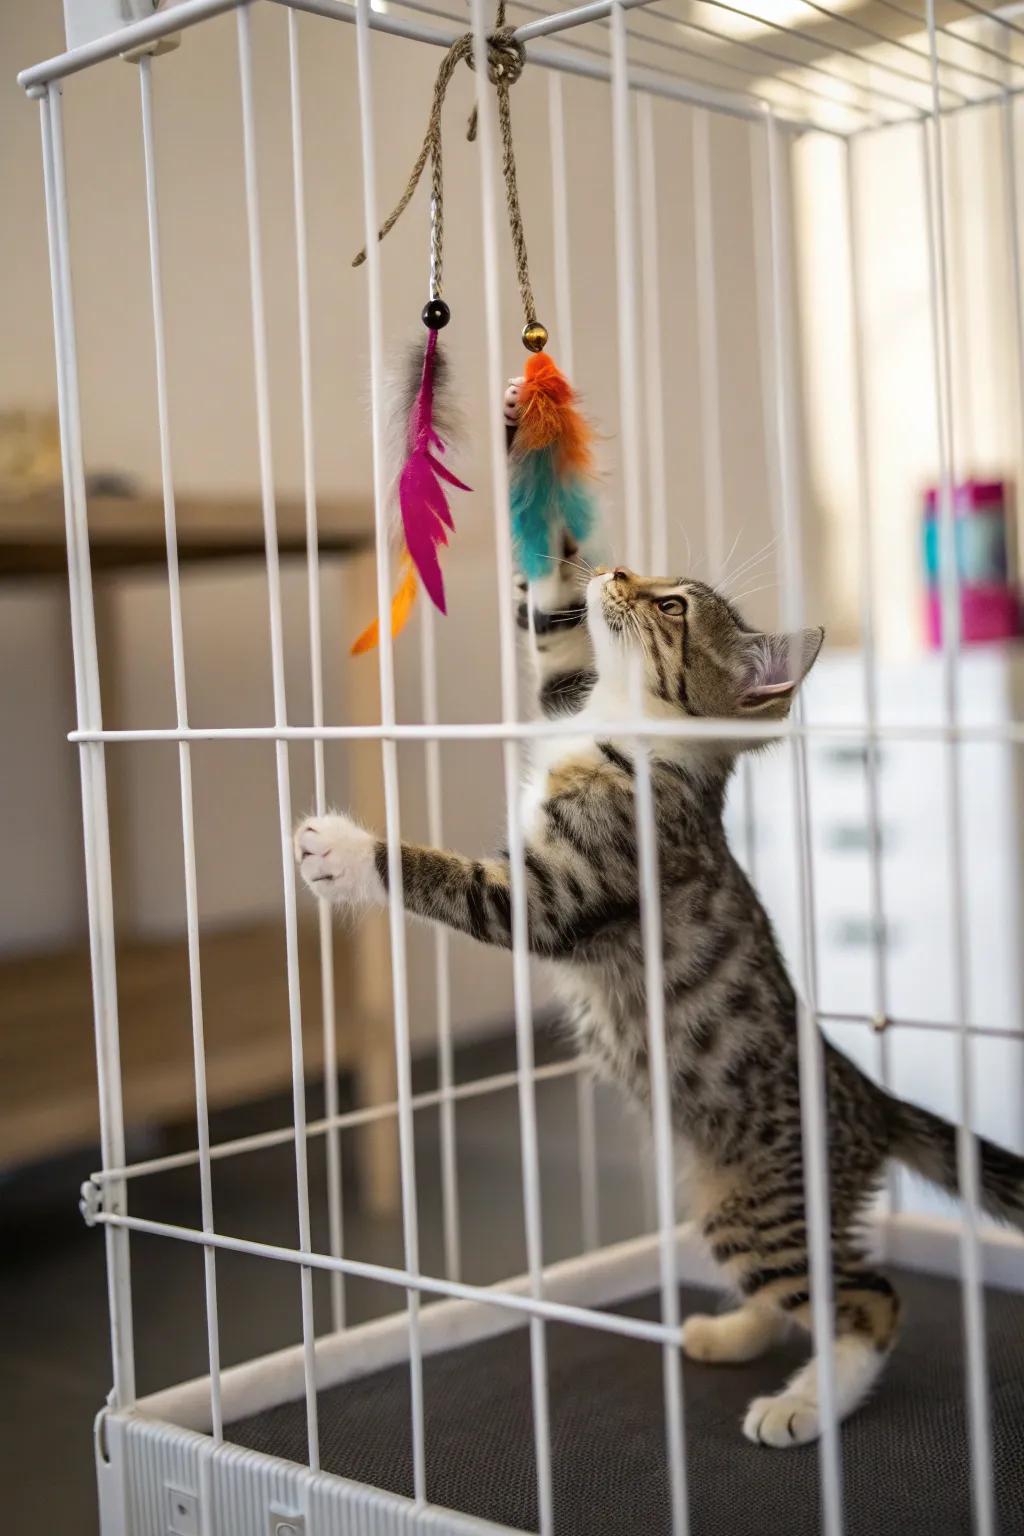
(730, 1007)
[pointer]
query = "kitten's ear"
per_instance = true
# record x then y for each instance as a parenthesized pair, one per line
(778, 665)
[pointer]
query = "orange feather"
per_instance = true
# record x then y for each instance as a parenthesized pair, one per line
(549, 416)
(401, 608)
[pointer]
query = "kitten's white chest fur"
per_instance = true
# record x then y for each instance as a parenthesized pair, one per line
(609, 708)
(604, 707)
(547, 754)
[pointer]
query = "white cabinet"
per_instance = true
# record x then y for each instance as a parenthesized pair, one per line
(918, 908)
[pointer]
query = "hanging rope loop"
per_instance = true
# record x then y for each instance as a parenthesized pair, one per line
(506, 58)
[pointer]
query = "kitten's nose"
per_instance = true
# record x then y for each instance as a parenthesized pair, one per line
(620, 573)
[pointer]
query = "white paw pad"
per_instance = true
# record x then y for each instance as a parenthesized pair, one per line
(338, 860)
(782, 1421)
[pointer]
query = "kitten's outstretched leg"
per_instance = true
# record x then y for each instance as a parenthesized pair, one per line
(343, 862)
(734, 1336)
(559, 647)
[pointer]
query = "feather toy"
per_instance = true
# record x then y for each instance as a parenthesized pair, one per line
(551, 464)
(423, 505)
(401, 608)
(421, 497)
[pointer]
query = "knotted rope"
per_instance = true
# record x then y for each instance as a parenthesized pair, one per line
(506, 57)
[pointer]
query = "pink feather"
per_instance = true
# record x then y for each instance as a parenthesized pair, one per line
(421, 497)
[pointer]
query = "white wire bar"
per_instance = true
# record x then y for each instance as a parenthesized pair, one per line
(813, 1109)
(707, 347)
(284, 798)
(882, 97)
(951, 65)
(517, 862)
(759, 51)
(476, 1088)
(655, 544)
(95, 816)
(865, 518)
(644, 809)
(706, 57)
(389, 750)
(1014, 254)
(188, 832)
(968, 1172)
(442, 958)
(654, 390)
(480, 1088)
(803, 36)
(994, 17)
(586, 1112)
(1010, 733)
(560, 223)
(981, 1031)
(960, 38)
(898, 45)
(712, 447)
(191, 12)
(560, 21)
(543, 1310)
(327, 991)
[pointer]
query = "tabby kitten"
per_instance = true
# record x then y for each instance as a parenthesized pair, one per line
(730, 1008)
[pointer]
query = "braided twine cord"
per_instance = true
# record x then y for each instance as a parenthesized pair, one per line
(506, 57)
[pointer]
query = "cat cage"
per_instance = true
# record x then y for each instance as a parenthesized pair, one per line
(557, 1399)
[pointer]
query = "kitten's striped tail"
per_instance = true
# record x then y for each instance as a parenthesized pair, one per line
(927, 1144)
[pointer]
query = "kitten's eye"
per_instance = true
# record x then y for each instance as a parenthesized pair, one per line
(676, 606)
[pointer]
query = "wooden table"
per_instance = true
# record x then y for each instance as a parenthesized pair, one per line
(126, 532)
(47, 1064)
(47, 1061)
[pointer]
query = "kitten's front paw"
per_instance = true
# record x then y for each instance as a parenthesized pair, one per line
(338, 860)
(782, 1421)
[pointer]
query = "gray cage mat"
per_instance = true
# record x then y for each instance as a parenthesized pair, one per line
(905, 1453)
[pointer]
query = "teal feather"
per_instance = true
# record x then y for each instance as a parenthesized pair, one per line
(541, 501)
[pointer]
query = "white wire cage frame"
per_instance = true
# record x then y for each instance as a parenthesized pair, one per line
(879, 94)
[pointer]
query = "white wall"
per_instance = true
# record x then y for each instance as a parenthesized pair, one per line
(213, 417)
(902, 440)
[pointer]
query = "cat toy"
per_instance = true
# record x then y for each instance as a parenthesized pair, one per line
(551, 462)
(423, 505)
(424, 414)
(550, 441)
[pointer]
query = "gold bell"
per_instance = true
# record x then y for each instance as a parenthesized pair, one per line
(535, 336)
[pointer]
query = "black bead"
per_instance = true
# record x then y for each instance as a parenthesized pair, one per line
(436, 315)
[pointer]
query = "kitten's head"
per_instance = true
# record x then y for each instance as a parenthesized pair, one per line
(699, 656)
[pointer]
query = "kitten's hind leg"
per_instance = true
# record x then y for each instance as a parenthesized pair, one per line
(733, 1337)
(867, 1312)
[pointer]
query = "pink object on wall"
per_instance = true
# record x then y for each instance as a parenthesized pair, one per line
(989, 600)
(986, 613)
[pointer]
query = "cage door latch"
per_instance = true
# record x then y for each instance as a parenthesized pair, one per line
(90, 1202)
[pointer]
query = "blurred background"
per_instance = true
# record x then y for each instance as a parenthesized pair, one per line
(52, 1285)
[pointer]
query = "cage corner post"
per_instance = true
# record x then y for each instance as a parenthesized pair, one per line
(92, 760)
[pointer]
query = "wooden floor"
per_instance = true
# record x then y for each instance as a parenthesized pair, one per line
(47, 1049)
